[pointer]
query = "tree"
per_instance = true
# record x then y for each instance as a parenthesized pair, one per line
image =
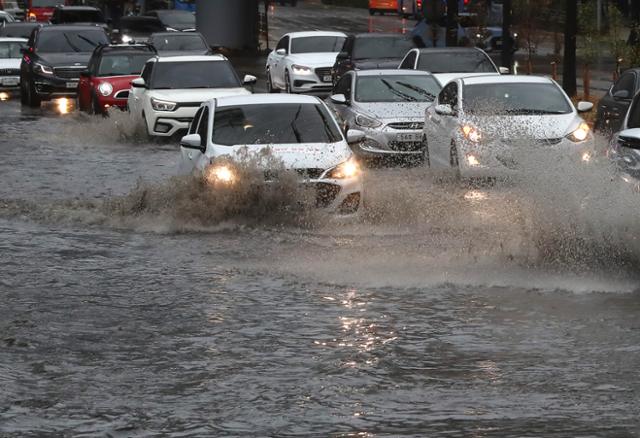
(531, 16)
(569, 64)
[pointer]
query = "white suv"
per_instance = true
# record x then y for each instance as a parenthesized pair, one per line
(171, 89)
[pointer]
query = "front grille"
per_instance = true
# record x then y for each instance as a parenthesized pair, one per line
(68, 72)
(549, 141)
(629, 142)
(122, 94)
(188, 104)
(313, 173)
(323, 72)
(405, 146)
(9, 72)
(325, 194)
(416, 126)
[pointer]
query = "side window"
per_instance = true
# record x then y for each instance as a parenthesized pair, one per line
(627, 82)
(146, 72)
(283, 44)
(344, 86)
(203, 127)
(449, 95)
(193, 127)
(409, 62)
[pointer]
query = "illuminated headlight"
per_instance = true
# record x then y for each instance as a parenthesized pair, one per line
(105, 89)
(44, 69)
(472, 161)
(220, 174)
(580, 134)
(471, 133)
(346, 169)
(367, 122)
(126, 39)
(301, 69)
(162, 105)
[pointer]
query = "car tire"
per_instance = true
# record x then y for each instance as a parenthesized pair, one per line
(94, 106)
(23, 92)
(424, 157)
(454, 160)
(270, 87)
(287, 83)
(32, 97)
(147, 135)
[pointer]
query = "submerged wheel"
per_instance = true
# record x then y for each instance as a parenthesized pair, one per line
(426, 161)
(287, 83)
(454, 160)
(32, 97)
(270, 87)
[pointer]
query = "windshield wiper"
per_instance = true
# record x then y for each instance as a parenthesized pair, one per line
(418, 90)
(87, 40)
(398, 92)
(526, 111)
(295, 130)
(75, 49)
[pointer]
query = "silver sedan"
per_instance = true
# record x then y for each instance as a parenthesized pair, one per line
(388, 106)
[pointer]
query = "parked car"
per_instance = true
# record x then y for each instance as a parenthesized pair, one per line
(54, 58)
(136, 29)
(171, 89)
(448, 63)
(13, 7)
(624, 147)
(388, 106)
(613, 106)
(302, 61)
(382, 6)
(299, 130)
(107, 80)
(10, 58)
(179, 43)
(368, 51)
(172, 19)
(6, 17)
(78, 15)
(476, 124)
(18, 29)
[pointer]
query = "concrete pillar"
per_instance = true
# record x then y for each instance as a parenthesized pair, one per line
(229, 24)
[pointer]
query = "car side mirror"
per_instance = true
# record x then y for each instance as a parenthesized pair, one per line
(444, 110)
(138, 83)
(192, 141)
(249, 80)
(355, 136)
(340, 99)
(281, 52)
(621, 94)
(343, 55)
(504, 70)
(584, 107)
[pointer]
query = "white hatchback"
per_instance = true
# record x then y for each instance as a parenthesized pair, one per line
(298, 131)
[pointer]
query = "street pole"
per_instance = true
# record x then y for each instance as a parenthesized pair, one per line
(507, 43)
(569, 65)
(452, 23)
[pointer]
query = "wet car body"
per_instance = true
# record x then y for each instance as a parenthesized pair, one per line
(80, 15)
(179, 43)
(229, 126)
(136, 29)
(480, 126)
(368, 51)
(10, 58)
(388, 106)
(53, 60)
(614, 105)
(105, 83)
(175, 20)
(18, 29)
(624, 146)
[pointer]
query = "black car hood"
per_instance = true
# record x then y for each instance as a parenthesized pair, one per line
(75, 59)
(370, 64)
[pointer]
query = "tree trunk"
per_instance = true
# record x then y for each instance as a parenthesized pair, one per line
(569, 64)
(507, 43)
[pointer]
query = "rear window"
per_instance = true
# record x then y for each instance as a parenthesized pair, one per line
(121, 64)
(384, 47)
(142, 26)
(179, 42)
(11, 50)
(67, 16)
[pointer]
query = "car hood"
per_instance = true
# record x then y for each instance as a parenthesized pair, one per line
(197, 94)
(314, 59)
(445, 78)
(75, 59)
(394, 111)
(10, 63)
(183, 52)
(299, 156)
(370, 64)
(538, 127)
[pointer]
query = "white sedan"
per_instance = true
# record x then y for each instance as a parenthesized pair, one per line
(300, 131)
(171, 89)
(480, 126)
(302, 61)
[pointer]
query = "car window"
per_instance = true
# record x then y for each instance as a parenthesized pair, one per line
(627, 82)
(194, 74)
(456, 62)
(193, 127)
(515, 99)
(119, 64)
(146, 72)
(283, 44)
(449, 95)
(381, 47)
(203, 127)
(396, 88)
(88, 16)
(409, 61)
(344, 86)
(68, 41)
(317, 44)
(11, 49)
(142, 25)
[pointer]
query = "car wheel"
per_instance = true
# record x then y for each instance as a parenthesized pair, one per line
(454, 160)
(270, 87)
(23, 92)
(32, 97)
(94, 106)
(287, 83)
(426, 161)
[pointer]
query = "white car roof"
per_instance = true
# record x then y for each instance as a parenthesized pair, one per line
(391, 72)
(506, 79)
(266, 98)
(203, 58)
(315, 33)
(12, 39)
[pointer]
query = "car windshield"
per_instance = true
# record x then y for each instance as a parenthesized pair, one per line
(317, 44)
(194, 74)
(283, 123)
(178, 18)
(120, 64)
(45, 3)
(82, 17)
(11, 49)
(179, 42)
(514, 99)
(382, 47)
(456, 62)
(396, 88)
(70, 41)
(137, 25)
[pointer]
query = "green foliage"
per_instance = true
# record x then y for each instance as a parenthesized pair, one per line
(590, 42)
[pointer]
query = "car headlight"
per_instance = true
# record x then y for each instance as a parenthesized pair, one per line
(301, 69)
(580, 134)
(220, 174)
(126, 39)
(471, 133)
(162, 105)
(105, 88)
(366, 122)
(346, 169)
(44, 69)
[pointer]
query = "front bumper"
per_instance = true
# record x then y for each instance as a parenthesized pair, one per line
(167, 123)
(318, 79)
(51, 87)
(10, 83)
(397, 138)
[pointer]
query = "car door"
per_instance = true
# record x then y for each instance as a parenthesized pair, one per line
(85, 85)
(191, 157)
(344, 111)
(440, 129)
(136, 94)
(613, 106)
(279, 63)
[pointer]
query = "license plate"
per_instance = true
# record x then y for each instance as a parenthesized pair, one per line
(408, 137)
(72, 85)
(10, 82)
(326, 78)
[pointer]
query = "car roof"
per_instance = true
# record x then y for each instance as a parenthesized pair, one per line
(62, 27)
(506, 79)
(391, 72)
(12, 40)
(266, 99)
(380, 35)
(195, 58)
(315, 33)
(449, 50)
(175, 34)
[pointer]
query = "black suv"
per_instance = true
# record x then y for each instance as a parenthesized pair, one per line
(53, 60)
(78, 15)
(136, 29)
(368, 51)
